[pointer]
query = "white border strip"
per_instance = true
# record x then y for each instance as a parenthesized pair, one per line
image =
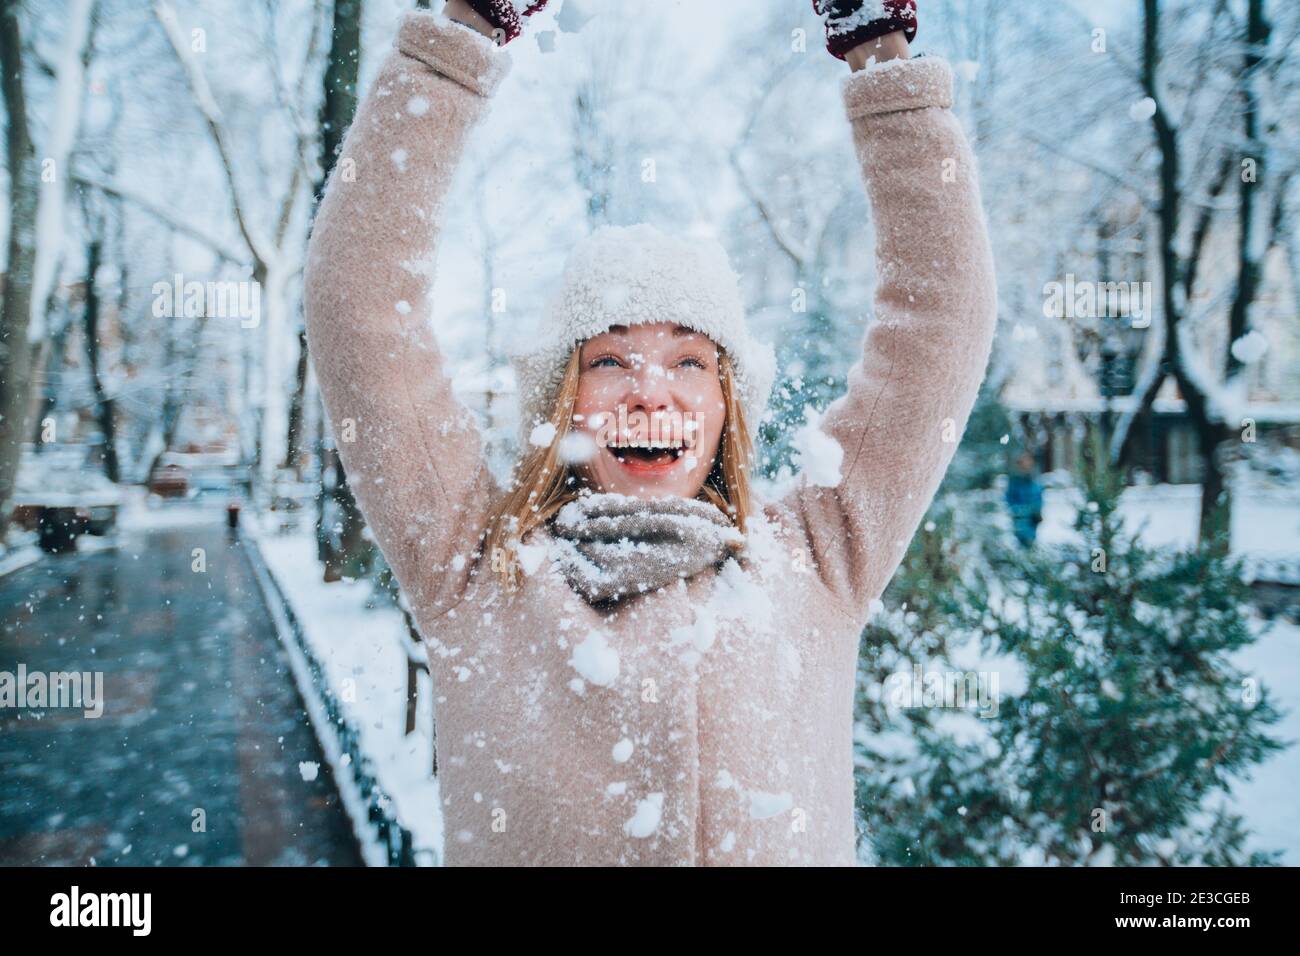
(354, 804)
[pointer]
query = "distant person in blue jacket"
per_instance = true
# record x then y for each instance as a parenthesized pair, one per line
(1025, 500)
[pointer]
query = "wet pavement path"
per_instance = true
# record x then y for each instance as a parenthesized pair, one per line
(196, 757)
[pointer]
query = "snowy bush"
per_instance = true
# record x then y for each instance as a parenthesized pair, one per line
(1126, 722)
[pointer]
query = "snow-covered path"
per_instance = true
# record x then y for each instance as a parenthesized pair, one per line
(200, 715)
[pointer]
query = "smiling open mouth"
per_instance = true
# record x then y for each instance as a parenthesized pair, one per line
(644, 452)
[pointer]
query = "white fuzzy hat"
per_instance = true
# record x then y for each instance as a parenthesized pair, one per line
(630, 275)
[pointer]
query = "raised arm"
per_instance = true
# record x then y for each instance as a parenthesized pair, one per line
(924, 356)
(412, 451)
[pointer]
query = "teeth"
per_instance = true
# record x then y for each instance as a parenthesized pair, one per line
(644, 443)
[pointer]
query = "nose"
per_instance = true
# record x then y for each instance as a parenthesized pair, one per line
(648, 390)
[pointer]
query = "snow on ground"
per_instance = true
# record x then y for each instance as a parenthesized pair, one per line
(1265, 524)
(1268, 801)
(362, 653)
(141, 511)
(18, 556)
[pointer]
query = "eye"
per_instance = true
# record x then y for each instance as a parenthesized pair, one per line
(601, 362)
(698, 363)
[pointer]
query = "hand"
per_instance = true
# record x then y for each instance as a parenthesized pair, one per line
(463, 13)
(502, 20)
(891, 46)
(851, 23)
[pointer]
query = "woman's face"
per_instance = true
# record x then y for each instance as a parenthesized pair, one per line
(650, 398)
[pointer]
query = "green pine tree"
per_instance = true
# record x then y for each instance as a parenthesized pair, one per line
(813, 365)
(1130, 729)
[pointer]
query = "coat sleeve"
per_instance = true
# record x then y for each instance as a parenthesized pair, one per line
(923, 358)
(412, 451)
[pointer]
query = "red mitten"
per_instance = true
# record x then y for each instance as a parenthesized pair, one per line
(850, 22)
(506, 16)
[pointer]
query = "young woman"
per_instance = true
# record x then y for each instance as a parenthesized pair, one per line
(637, 660)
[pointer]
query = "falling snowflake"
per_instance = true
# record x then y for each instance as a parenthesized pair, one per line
(1143, 109)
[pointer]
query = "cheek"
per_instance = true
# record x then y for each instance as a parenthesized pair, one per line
(582, 403)
(592, 397)
(712, 430)
(707, 407)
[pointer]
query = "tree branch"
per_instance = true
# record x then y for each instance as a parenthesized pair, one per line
(166, 216)
(207, 105)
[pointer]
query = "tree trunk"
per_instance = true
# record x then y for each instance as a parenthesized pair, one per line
(340, 527)
(293, 441)
(341, 73)
(1251, 230)
(105, 409)
(46, 368)
(49, 367)
(15, 314)
(1218, 440)
(1209, 433)
(1143, 407)
(274, 421)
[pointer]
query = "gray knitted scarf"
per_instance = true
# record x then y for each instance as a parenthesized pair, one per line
(612, 546)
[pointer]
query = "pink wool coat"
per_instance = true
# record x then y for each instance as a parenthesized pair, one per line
(703, 724)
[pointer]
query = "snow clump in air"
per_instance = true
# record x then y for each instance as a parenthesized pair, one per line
(542, 435)
(1143, 109)
(646, 819)
(577, 448)
(595, 660)
(817, 453)
(1250, 348)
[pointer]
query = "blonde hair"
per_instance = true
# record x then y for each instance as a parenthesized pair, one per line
(543, 483)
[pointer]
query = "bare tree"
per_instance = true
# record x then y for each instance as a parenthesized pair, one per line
(1208, 402)
(69, 95)
(276, 255)
(340, 527)
(15, 314)
(105, 406)
(795, 230)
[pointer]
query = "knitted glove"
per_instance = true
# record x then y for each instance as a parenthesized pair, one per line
(506, 16)
(850, 22)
